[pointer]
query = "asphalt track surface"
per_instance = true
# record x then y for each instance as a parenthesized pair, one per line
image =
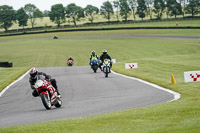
(84, 93)
(132, 36)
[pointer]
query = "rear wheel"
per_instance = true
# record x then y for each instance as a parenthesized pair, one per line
(46, 101)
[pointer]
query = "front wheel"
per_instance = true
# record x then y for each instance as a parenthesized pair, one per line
(106, 73)
(95, 67)
(46, 101)
(59, 103)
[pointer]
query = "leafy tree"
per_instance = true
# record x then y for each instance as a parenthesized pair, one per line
(22, 17)
(159, 7)
(133, 6)
(174, 8)
(75, 12)
(107, 10)
(46, 13)
(141, 9)
(116, 6)
(57, 14)
(149, 4)
(168, 5)
(124, 9)
(33, 12)
(7, 17)
(183, 5)
(193, 7)
(91, 11)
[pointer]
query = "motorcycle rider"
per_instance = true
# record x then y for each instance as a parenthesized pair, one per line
(69, 62)
(104, 56)
(55, 37)
(33, 77)
(93, 56)
(70, 58)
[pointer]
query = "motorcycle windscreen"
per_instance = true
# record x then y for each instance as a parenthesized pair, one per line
(40, 77)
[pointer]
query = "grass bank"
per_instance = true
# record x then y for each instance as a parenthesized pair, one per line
(157, 58)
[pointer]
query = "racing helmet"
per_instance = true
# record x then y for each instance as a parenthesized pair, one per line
(104, 51)
(33, 72)
(93, 52)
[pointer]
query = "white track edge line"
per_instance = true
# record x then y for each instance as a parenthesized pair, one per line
(20, 78)
(176, 95)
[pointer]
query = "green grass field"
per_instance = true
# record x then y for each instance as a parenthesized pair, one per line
(157, 58)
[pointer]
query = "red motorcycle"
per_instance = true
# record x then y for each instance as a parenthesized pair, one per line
(70, 62)
(47, 93)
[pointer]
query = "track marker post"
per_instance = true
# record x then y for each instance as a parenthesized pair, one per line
(173, 79)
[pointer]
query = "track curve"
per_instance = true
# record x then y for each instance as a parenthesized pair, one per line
(133, 36)
(83, 93)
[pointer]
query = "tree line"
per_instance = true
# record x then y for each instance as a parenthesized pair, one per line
(123, 8)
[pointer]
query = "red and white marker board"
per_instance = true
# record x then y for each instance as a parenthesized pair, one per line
(192, 76)
(131, 65)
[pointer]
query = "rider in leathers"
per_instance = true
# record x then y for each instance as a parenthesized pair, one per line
(33, 77)
(104, 56)
(70, 58)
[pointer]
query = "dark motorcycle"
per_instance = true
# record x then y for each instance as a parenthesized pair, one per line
(94, 64)
(47, 92)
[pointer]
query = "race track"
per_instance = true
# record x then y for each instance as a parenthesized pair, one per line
(132, 36)
(83, 92)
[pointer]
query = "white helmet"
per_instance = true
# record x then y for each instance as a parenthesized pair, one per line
(104, 51)
(33, 72)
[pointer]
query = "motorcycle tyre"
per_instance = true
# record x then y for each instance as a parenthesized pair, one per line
(59, 103)
(44, 101)
(106, 74)
(95, 68)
